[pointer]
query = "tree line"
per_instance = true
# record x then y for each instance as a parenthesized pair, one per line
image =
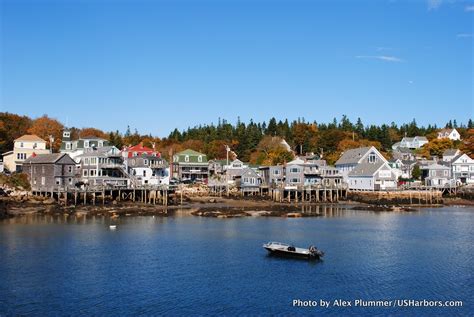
(255, 142)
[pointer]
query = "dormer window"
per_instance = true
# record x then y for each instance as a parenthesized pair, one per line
(200, 158)
(21, 144)
(186, 158)
(101, 144)
(67, 134)
(68, 146)
(135, 154)
(145, 162)
(86, 143)
(372, 158)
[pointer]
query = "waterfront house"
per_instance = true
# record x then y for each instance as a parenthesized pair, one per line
(451, 134)
(450, 154)
(272, 176)
(436, 175)
(24, 147)
(145, 166)
(248, 181)
(48, 172)
(190, 165)
(411, 142)
(462, 169)
(234, 169)
(366, 169)
(147, 169)
(77, 147)
(103, 166)
(301, 172)
(330, 176)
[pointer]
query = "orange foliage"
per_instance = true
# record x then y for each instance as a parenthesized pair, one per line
(44, 127)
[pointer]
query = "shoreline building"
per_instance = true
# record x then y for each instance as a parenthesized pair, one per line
(365, 168)
(23, 148)
(78, 147)
(190, 165)
(48, 172)
(145, 165)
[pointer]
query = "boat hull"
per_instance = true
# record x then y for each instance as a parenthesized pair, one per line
(292, 254)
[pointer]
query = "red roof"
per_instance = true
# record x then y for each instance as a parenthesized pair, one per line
(140, 150)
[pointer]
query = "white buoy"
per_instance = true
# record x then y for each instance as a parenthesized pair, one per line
(112, 227)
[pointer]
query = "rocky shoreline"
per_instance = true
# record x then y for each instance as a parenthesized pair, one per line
(202, 206)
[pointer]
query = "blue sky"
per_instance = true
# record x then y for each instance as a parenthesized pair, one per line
(157, 65)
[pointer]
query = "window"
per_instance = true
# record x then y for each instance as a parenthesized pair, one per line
(66, 134)
(295, 180)
(92, 173)
(21, 144)
(86, 161)
(144, 173)
(200, 158)
(70, 181)
(69, 169)
(101, 143)
(86, 143)
(445, 173)
(85, 173)
(145, 162)
(186, 158)
(68, 146)
(93, 160)
(43, 181)
(276, 172)
(372, 158)
(42, 169)
(135, 154)
(58, 181)
(294, 170)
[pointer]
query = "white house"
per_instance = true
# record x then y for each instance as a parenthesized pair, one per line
(451, 134)
(366, 169)
(411, 143)
(23, 148)
(463, 169)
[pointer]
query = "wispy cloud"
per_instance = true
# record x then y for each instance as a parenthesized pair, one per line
(434, 4)
(469, 8)
(462, 35)
(385, 58)
(383, 48)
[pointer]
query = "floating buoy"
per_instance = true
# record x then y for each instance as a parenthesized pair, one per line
(112, 227)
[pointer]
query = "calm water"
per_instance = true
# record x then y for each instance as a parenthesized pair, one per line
(185, 265)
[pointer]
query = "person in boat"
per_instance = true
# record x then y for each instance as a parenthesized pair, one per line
(312, 249)
(291, 248)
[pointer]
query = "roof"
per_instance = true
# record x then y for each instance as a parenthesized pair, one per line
(138, 148)
(450, 152)
(446, 130)
(404, 150)
(352, 156)
(249, 172)
(91, 137)
(100, 151)
(423, 138)
(193, 157)
(189, 152)
(296, 161)
(30, 137)
(435, 166)
(46, 158)
(366, 169)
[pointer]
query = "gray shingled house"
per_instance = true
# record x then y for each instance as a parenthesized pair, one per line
(48, 172)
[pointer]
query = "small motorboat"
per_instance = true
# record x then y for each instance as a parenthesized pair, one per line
(112, 227)
(287, 250)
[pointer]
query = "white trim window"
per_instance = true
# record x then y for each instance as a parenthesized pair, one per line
(85, 173)
(186, 158)
(200, 158)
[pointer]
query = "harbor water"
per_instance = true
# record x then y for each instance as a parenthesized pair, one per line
(186, 265)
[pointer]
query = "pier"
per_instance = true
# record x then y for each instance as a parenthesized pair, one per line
(99, 195)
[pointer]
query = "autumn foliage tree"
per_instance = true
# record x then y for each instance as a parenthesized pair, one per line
(44, 127)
